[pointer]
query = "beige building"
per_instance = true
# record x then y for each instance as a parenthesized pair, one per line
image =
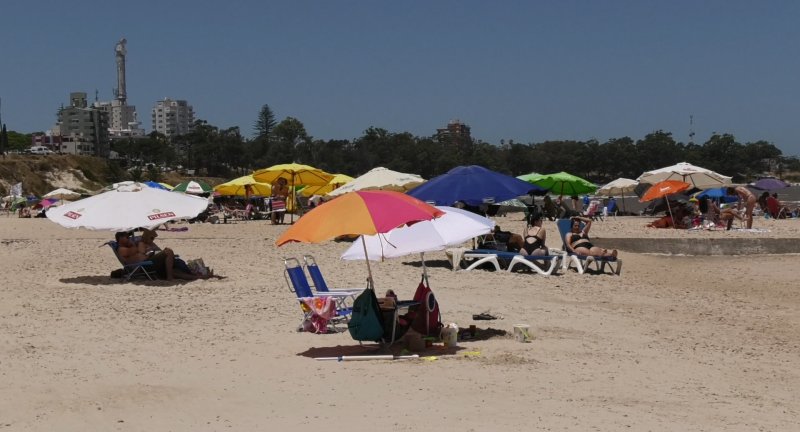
(173, 117)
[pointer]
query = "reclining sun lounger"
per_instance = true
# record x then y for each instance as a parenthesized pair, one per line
(542, 264)
(582, 262)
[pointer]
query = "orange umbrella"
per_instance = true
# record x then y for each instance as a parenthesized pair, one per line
(358, 213)
(662, 189)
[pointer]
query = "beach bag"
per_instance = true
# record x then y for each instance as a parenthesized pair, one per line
(366, 322)
(198, 267)
(426, 318)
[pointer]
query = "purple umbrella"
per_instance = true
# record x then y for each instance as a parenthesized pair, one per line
(770, 183)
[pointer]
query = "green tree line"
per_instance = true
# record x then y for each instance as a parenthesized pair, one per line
(218, 152)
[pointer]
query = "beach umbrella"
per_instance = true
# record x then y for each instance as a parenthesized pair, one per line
(454, 227)
(48, 202)
(381, 178)
(18, 202)
(696, 176)
(358, 213)
(563, 183)
(239, 187)
(62, 194)
(166, 186)
(620, 186)
(127, 207)
(156, 185)
(769, 183)
(337, 181)
(720, 194)
(473, 185)
(663, 189)
(193, 187)
(529, 176)
(295, 174)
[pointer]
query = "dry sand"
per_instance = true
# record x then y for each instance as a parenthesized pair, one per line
(675, 343)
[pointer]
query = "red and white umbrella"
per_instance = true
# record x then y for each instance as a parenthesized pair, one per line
(127, 207)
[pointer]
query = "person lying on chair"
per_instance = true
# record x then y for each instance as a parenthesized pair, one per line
(577, 240)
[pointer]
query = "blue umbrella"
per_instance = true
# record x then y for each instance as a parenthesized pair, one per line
(473, 185)
(718, 194)
(155, 185)
(770, 183)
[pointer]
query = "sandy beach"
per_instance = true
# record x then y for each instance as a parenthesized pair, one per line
(703, 343)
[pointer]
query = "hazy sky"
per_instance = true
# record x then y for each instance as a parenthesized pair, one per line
(522, 70)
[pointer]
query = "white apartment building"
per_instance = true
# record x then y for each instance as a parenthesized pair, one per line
(173, 117)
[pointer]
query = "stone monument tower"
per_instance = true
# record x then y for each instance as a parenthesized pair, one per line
(121, 93)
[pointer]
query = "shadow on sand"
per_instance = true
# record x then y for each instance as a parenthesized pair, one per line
(106, 280)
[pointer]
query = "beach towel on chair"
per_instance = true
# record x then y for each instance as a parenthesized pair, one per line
(322, 309)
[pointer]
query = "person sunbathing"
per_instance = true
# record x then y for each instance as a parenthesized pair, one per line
(147, 247)
(534, 237)
(577, 240)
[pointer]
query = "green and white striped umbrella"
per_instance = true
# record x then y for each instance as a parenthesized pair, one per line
(193, 187)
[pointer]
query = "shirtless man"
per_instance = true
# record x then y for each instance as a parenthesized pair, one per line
(748, 199)
(163, 261)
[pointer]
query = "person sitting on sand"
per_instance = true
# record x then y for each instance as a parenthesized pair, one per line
(749, 200)
(577, 240)
(147, 246)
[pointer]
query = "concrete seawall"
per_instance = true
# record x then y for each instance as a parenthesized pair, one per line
(703, 246)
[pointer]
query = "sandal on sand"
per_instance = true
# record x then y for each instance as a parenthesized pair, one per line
(484, 317)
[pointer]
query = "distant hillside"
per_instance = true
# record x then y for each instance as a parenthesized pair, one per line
(84, 174)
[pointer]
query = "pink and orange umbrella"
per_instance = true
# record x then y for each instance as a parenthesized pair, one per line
(358, 213)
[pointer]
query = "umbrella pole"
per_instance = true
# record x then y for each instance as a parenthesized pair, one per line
(369, 269)
(670, 214)
(294, 201)
(424, 268)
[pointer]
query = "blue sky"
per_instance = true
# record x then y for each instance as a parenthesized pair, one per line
(523, 70)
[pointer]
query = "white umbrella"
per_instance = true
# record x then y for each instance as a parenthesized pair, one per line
(380, 178)
(453, 228)
(62, 194)
(620, 186)
(696, 176)
(127, 207)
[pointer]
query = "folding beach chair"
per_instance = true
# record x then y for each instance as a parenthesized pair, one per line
(298, 284)
(321, 287)
(582, 262)
(132, 270)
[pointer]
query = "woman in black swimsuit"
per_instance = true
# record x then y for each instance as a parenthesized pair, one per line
(535, 236)
(577, 240)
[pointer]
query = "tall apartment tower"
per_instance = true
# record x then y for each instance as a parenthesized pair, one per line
(173, 117)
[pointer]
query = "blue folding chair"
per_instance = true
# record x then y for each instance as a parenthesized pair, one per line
(319, 282)
(133, 270)
(298, 284)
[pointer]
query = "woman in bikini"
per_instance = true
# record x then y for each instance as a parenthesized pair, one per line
(535, 236)
(748, 198)
(577, 240)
